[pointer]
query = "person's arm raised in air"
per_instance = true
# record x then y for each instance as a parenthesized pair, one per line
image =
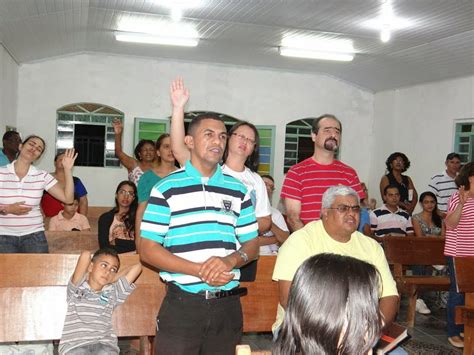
(179, 97)
(81, 267)
(83, 205)
(65, 195)
(126, 160)
(293, 210)
(454, 215)
(131, 272)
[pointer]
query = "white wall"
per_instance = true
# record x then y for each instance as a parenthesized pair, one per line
(139, 88)
(8, 90)
(419, 121)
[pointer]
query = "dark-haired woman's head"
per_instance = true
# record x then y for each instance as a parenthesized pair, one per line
(333, 308)
(466, 176)
(163, 148)
(126, 198)
(429, 203)
(244, 140)
(32, 147)
(397, 161)
(145, 151)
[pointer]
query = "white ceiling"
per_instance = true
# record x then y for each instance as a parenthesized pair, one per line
(439, 44)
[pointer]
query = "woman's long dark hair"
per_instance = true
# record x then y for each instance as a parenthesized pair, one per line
(333, 308)
(435, 213)
(253, 159)
(129, 219)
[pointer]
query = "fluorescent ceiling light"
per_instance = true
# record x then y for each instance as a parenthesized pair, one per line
(157, 26)
(322, 44)
(312, 54)
(155, 39)
(183, 4)
(395, 23)
(385, 34)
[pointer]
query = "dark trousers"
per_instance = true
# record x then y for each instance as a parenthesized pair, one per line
(189, 324)
(30, 243)
(455, 299)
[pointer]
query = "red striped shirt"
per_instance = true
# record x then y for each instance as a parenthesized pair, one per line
(307, 181)
(460, 240)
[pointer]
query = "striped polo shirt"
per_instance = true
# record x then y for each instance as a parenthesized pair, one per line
(89, 314)
(196, 217)
(30, 190)
(460, 240)
(307, 181)
(383, 221)
(443, 186)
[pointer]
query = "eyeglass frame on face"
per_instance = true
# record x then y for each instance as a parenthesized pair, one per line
(346, 208)
(241, 137)
(126, 193)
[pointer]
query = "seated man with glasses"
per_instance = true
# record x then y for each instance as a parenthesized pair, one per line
(335, 233)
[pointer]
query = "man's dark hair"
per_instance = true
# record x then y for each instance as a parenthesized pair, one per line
(390, 186)
(315, 125)
(196, 121)
(106, 251)
(9, 134)
(453, 155)
(268, 177)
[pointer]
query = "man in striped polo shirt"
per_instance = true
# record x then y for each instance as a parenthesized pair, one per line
(306, 182)
(199, 228)
(390, 220)
(443, 185)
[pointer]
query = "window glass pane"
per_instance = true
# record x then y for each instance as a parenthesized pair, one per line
(291, 146)
(265, 133)
(291, 130)
(266, 141)
(463, 148)
(264, 168)
(464, 139)
(305, 131)
(265, 151)
(466, 128)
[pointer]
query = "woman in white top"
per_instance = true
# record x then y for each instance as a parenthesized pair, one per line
(21, 189)
(240, 156)
(145, 155)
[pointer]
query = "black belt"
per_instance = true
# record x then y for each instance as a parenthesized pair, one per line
(210, 295)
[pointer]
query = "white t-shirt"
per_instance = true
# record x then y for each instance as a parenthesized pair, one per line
(256, 187)
(279, 221)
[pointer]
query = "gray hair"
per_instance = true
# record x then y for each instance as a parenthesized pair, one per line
(339, 190)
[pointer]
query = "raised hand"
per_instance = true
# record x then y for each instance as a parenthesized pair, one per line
(118, 126)
(69, 157)
(18, 208)
(178, 93)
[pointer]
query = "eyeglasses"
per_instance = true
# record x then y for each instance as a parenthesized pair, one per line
(244, 139)
(126, 193)
(346, 208)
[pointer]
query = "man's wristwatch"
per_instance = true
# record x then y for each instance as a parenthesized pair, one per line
(243, 255)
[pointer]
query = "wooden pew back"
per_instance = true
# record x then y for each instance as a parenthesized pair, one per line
(259, 306)
(464, 273)
(71, 242)
(415, 250)
(33, 298)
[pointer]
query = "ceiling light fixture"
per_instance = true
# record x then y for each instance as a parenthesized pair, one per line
(385, 34)
(313, 54)
(155, 39)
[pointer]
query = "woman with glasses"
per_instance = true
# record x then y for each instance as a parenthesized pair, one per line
(117, 227)
(241, 155)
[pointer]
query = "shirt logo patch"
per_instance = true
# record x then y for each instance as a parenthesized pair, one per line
(227, 206)
(104, 298)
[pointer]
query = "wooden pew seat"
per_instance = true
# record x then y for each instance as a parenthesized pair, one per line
(405, 251)
(71, 242)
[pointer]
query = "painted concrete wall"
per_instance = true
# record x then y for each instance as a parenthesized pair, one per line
(8, 90)
(139, 87)
(419, 121)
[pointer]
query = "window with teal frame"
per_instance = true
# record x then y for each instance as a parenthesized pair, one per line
(149, 128)
(464, 140)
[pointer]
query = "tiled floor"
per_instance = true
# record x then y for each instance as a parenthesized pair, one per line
(428, 337)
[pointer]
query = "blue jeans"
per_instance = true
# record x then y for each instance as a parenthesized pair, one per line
(455, 299)
(29, 243)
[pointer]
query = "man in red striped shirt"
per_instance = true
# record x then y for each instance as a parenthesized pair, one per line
(306, 181)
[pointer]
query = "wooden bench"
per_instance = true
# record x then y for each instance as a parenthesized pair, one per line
(33, 299)
(405, 251)
(259, 306)
(71, 242)
(465, 314)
